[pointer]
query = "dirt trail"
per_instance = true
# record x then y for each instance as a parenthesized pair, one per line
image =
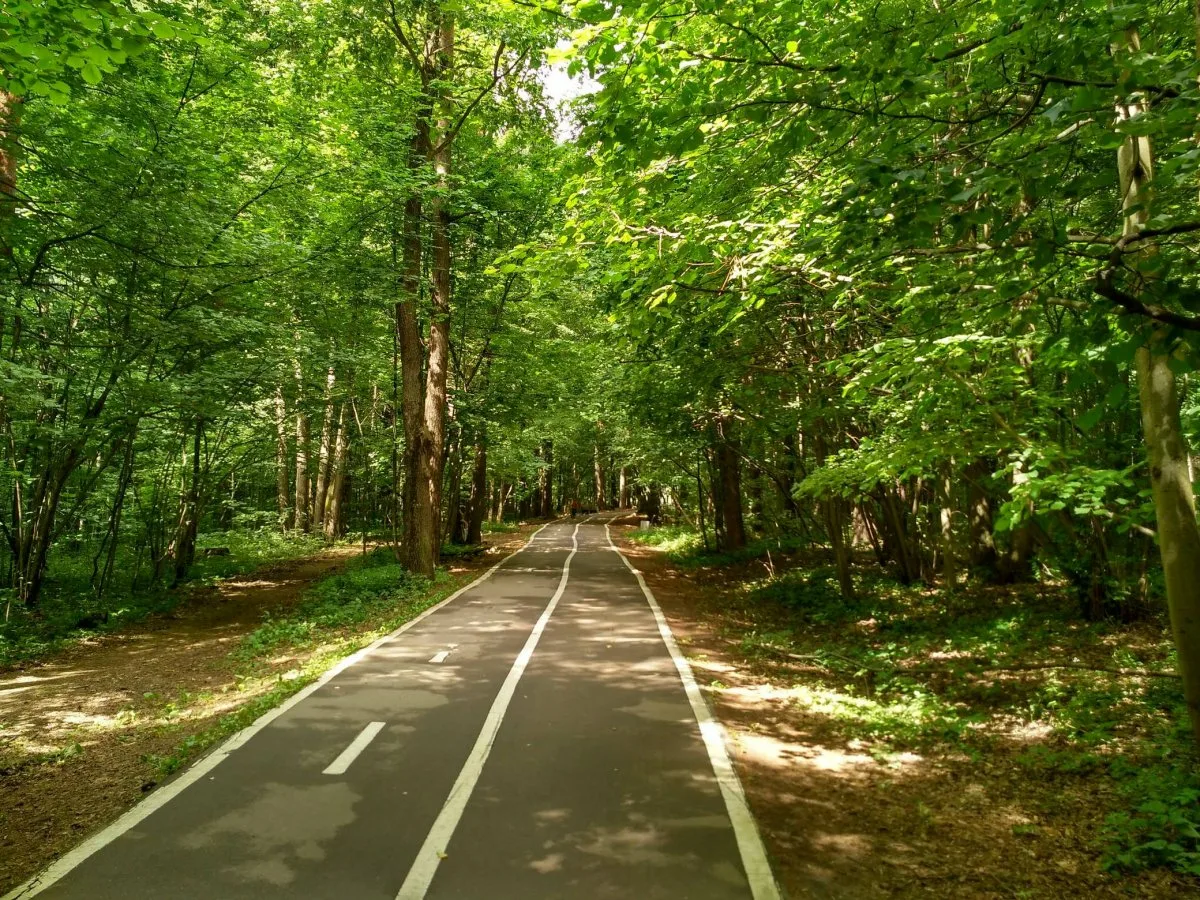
(80, 733)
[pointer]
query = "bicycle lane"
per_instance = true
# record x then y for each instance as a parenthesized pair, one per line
(334, 796)
(601, 784)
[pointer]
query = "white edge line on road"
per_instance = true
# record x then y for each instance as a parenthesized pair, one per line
(750, 845)
(357, 746)
(424, 867)
(203, 766)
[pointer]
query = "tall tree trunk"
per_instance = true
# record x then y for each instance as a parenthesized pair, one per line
(324, 455)
(282, 481)
(479, 498)
(425, 548)
(1170, 480)
(183, 551)
(302, 520)
(623, 490)
(599, 479)
(546, 481)
(335, 514)
(729, 488)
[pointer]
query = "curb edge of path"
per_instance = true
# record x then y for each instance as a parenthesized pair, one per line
(753, 852)
(201, 767)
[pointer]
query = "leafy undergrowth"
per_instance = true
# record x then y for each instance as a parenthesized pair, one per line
(981, 671)
(69, 609)
(373, 589)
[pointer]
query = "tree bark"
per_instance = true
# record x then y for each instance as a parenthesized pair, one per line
(183, 551)
(324, 455)
(10, 124)
(335, 514)
(1170, 479)
(599, 478)
(729, 489)
(282, 481)
(479, 499)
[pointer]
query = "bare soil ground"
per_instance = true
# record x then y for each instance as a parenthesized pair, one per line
(841, 823)
(81, 733)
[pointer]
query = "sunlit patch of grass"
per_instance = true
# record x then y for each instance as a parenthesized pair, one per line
(675, 540)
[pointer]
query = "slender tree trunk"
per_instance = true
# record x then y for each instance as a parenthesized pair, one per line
(623, 490)
(599, 479)
(946, 523)
(302, 520)
(282, 481)
(1170, 481)
(546, 482)
(479, 498)
(335, 514)
(324, 455)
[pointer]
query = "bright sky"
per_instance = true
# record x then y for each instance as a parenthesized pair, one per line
(561, 89)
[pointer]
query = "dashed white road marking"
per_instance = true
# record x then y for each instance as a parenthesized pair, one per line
(203, 766)
(420, 876)
(357, 746)
(750, 845)
(440, 656)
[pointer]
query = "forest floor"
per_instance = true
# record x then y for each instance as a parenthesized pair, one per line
(86, 732)
(861, 798)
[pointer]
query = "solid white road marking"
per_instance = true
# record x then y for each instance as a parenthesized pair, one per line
(750, 845)
(357, 746)
(173, 789)
(440, 656)
(434, 849)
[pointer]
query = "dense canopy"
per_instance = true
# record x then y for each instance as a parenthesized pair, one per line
(911, 286)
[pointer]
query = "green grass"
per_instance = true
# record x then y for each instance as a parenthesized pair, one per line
(372, 588)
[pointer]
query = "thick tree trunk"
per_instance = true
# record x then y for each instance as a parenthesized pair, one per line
(282, 480)
(729, 489)
(183, 550)
(424, 549)
(324, 455)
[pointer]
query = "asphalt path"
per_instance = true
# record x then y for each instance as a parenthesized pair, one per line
(535, 736)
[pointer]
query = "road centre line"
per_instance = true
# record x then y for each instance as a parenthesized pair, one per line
(424, 867)
(203, 766)
(357, 746)
(750, 845)
(440, 656)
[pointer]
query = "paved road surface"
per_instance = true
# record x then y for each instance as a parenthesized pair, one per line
(531, 738)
